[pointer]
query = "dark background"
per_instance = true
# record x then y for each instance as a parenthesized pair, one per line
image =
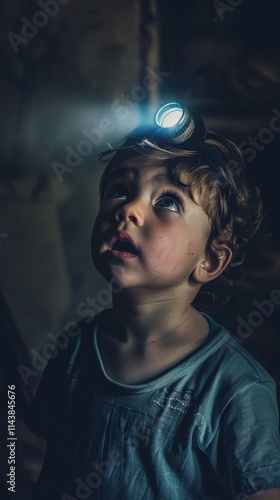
(89, 61)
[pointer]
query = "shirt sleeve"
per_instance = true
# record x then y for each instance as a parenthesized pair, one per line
(248, 447)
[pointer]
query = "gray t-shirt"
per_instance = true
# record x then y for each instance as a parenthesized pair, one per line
(205, 429)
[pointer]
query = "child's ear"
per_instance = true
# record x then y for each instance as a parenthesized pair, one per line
(213, 265)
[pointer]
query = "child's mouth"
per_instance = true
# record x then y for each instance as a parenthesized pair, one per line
(123, 246)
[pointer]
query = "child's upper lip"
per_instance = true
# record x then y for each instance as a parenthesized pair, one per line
(122, 236)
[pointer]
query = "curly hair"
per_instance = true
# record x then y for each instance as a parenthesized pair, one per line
(216, 171)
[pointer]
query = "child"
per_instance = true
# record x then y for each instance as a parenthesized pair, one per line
(152, 399)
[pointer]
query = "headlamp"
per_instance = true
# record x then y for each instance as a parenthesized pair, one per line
(178, 125)
(169, 115)
(175, 124)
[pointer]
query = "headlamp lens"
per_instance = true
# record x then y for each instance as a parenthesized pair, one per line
(169, 115)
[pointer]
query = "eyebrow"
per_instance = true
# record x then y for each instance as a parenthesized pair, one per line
(164, 179)
(123, 173)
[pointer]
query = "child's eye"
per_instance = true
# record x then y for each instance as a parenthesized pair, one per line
(170, 201)
(117, 193)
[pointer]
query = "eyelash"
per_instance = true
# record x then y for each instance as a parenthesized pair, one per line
(117, 184)
(172, 194)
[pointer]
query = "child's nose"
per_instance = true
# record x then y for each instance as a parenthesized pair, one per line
(132, 211)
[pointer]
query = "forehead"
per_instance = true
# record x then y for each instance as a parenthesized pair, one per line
(147, 168)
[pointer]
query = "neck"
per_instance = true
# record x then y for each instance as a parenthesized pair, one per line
(146, 318)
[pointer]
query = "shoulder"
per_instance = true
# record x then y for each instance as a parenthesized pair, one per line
(243, 369)
(246, 361)
(66, 348)
(234, 360)
(233, 377)
(75, 338)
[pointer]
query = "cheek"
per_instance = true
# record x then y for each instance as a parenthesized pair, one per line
(195, 247)
(166, 249)
(100, 226)
(173, 250)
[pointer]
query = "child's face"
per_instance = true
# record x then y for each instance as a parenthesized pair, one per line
(169, 231)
